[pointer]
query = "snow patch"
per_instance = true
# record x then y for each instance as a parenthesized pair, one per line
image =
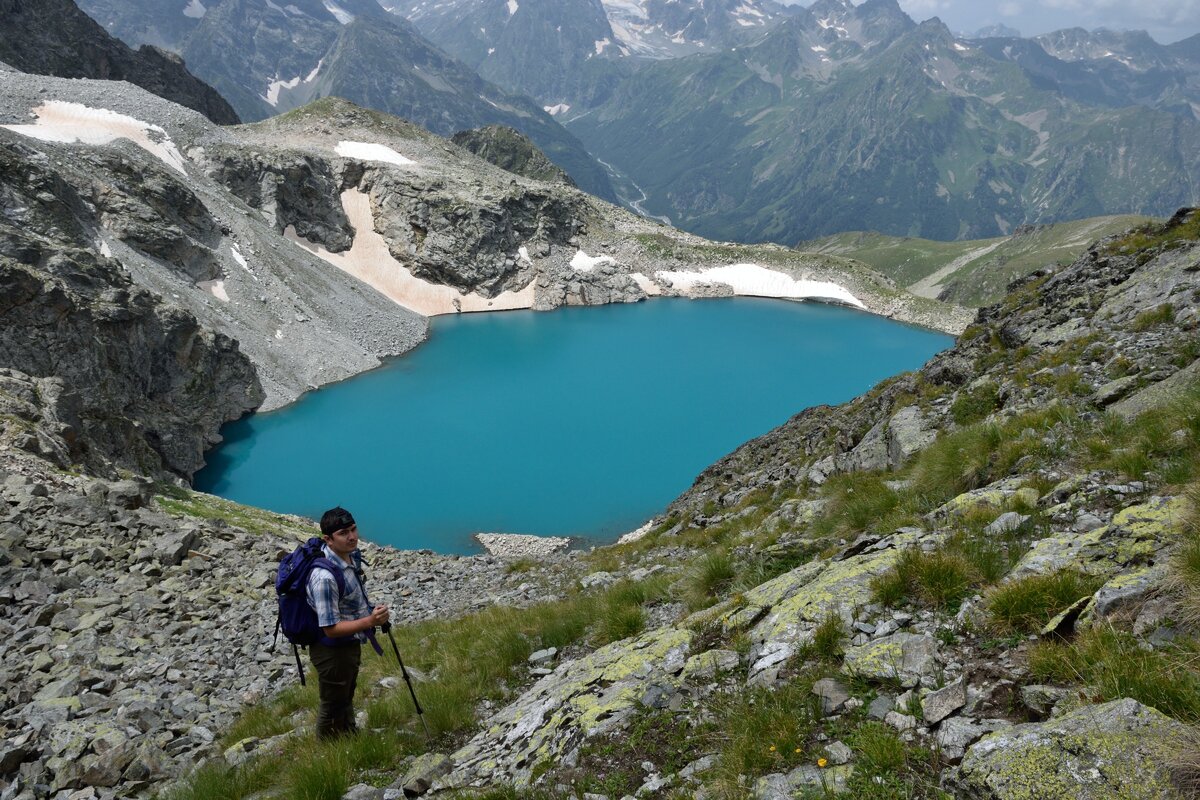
(241, 260)
(275, 86)
(340, 14)
(523, 251)
(59, 121)
(370, 261)
(601, 44)
(756, 281)
(816, 48)
(582, 262)
(194, 9)
(961, 48)
(512, 7)
(368, 151)
(555, 110)
(105, 250)
(215, 288)
(272, 95)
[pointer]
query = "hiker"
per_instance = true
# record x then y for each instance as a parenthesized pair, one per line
(346, 620)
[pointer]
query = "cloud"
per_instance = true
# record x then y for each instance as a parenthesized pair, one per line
(1010, 9)
(1122, 14)
(922, 9)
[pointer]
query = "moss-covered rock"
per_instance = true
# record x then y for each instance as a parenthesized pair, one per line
(1135, 537)
(994, 495)
(591, 695)
(910, 658)
(1105, 752)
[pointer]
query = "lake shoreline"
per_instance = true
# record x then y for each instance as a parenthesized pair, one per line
(530, 423)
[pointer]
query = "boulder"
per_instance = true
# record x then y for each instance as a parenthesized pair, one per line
(1041, 699)
(707, 664)
(910, 658)
(832, 694)
(956, 734)
(908, 432)
(1135, 536)
(938, 705)
(1117, 749)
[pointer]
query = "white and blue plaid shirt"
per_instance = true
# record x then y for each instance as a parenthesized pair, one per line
(323, 595)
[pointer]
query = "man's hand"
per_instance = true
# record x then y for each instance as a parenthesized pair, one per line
(380, 616)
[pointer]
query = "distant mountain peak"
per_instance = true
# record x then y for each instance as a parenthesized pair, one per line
(995, 31)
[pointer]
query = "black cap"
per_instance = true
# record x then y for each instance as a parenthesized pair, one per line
(335, 519)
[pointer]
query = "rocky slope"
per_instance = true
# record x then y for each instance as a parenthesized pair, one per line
(120, 665)
(74, 46)
(115, 364)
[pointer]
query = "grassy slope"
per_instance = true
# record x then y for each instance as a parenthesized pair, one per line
(980, 280)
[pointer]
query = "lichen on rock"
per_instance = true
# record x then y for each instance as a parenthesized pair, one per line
(1115, 750)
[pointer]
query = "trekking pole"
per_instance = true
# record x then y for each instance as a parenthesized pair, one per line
(387, 628)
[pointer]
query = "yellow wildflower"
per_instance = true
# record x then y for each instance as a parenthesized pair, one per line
(821, 763)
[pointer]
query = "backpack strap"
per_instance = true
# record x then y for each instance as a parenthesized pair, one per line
(340, 577)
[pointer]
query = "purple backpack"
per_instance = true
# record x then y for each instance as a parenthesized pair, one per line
(297, 619)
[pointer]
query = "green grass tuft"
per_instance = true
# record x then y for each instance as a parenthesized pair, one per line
(1114, 665)
(942, 579)
(764, 730)
(1027, 604)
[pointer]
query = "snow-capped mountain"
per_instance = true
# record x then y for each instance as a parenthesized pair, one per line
(570, 53)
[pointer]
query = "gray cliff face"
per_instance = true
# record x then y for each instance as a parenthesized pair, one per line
(296, 190)
(140, 384)
(509, 149)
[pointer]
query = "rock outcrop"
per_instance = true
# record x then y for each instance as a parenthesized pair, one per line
(137, 384)
(509, 149)
(1117, 749)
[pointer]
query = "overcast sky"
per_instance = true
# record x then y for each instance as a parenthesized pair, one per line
(1166, 20)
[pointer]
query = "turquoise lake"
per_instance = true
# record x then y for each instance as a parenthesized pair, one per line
(581, 422)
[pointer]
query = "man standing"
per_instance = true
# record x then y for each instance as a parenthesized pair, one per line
(346, 619)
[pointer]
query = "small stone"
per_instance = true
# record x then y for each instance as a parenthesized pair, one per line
(1008, 521)
(423, 772)
(939, 704)
(543, 656)
(839, 752)
(1041, 699)
(901, 722)
(880, 706)
(832, 694)
(363, 791)
(709, 663)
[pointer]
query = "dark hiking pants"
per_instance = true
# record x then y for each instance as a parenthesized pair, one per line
(337, 675)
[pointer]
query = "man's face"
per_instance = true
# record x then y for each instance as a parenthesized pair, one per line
(343, 541)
